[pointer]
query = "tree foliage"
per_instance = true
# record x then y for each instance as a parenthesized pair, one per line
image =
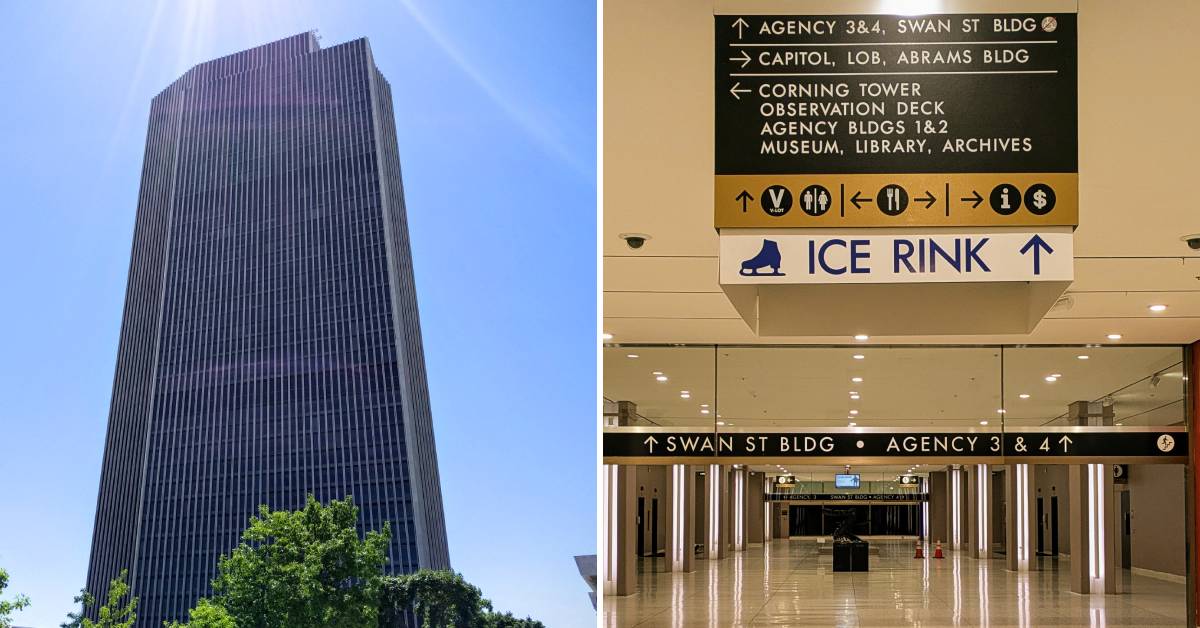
(496, 620)
(207, 614)
(120, 611)
(438, 598)
(306, 568)
(75, 620)
(8, 607)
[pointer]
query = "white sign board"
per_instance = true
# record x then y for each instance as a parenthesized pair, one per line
(877, 256)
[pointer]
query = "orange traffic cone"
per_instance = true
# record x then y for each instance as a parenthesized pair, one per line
(937, 551)
(920, 550)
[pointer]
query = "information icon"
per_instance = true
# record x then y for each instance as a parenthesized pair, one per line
(1005, 199)
(776, 200)
(815, 200)
(892, 199)
(1039, 199)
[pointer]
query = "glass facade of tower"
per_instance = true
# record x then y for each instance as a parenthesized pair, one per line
(270, 346)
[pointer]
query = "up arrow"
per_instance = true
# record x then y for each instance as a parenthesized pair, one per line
(745, 59)
(735, 91)
(740, 24)
(743, 197)
(1065, 441)
(1038, 245)
(651, 441)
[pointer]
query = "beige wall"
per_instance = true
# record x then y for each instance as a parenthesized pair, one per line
(1156, 500)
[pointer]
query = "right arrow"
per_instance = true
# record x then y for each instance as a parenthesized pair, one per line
(1065, 441)
(651, 441)
(976, 198)
(735, 91)
(743, 197)
(1038, 245)
(740, 24)
(857, 201)
(745, 59)
(928, 199)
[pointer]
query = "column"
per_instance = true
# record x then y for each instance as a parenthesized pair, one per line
(738, 519)
(956, 524)
(620, 532)
(716, 488)
(779, 520)
(982, 476)
(755, 502)
(1093, 524)
(1020, 518)
(681, 522)
(939, 497)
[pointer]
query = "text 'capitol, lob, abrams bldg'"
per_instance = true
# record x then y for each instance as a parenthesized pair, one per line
(901, 313)
(270, 346)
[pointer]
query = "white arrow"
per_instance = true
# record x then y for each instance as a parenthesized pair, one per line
(1065, 442)
(740, 24)
(651, 441)
(735, 91)
(745, 59)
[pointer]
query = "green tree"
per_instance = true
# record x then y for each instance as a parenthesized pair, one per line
(302, 569)
(438, 598)
(207, 614)
(75, 620)
(7, 608)
(114, 614)
(496, 620)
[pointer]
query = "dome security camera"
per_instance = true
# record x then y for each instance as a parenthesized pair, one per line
(1193, 240)
(635, 240)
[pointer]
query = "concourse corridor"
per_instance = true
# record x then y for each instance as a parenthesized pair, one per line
(788, 582)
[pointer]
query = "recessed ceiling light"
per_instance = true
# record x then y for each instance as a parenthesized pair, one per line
(720, 423)
(855, 397)
(1056, 375)
(704, 411)
(607, 336)
(633, 356)
(1000, 411)
(853, 424)
(1024, 395)
(854, 412)
(1082, 357)
(661, 378)
(856, 380)
(684, 395)
(656, 373)
(1114, 336)
(859, 356)
(1158, 307)
(1051, 378)
(704, 405)
(861, 337)
(984, 422)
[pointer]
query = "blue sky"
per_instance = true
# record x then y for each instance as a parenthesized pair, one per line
(495, 111)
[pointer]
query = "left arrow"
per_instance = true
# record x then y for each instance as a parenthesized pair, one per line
(735, 91)
(743, 197)
(651, 442)
(1038, 245)
(745, 59)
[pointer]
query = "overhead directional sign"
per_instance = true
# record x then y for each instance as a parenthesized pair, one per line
(896, 121)
(869, 257)
(1167, 444)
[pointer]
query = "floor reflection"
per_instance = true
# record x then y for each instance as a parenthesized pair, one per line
(790, 583)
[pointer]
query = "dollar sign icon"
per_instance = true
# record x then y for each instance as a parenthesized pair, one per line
(1039, 198)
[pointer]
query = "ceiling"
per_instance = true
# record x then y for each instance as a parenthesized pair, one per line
(811, 387)
(1136, 137)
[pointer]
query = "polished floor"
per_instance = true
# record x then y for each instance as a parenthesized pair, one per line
(788, 583)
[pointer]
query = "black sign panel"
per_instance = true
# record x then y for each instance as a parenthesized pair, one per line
(961, 93)
(962, 445)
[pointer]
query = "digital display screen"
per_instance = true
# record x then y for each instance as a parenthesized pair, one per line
(846, 480)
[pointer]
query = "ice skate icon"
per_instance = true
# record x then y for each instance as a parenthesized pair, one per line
(768, 256)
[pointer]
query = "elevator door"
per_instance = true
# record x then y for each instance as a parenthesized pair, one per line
(641, 526)
(654, 527)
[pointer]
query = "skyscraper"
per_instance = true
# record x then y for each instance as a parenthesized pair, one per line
(270, 345)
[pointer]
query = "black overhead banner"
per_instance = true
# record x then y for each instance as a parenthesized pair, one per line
(1114, 444)
(960, 93)
(847, 497)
